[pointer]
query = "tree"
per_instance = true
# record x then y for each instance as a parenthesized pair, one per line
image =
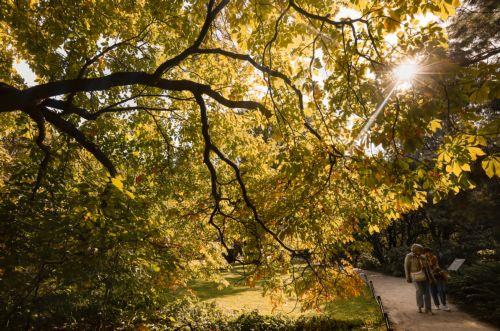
(474, 32)
(196, 125)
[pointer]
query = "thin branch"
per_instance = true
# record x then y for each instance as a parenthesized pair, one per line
(40, 122)
(325, 18)
(258, 66)
(102, 53)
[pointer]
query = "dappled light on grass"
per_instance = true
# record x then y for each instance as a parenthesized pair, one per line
(239, 297)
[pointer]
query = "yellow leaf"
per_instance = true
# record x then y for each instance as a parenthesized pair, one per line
(475, 152)
(456, 169)
(373, 229)
(117, 182)
(442, 13)
(481, 141)
(362, 4)
(491, 166)
(129, 194)
(465, 167)
(155, 267)
(434, 125)
(450, 9)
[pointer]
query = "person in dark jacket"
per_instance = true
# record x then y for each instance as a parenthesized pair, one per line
(438, 288)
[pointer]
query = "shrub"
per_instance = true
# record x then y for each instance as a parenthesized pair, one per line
(395, 260)
(476, 289)
(187, 314)
(368, 262)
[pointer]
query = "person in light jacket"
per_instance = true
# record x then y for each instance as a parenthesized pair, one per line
(417, 271)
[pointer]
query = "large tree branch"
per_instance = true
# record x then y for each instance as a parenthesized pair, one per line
(66, 127)
(209, 146)
(213, 173)
(12, 100)
(34, 101)
(211, 14)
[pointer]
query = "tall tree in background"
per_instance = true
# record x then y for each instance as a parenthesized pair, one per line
(475, 32)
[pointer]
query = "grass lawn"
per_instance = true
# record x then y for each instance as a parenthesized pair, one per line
(237, 296)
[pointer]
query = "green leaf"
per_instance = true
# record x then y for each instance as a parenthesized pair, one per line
(481, 95)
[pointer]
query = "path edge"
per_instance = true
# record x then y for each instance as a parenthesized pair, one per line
(385, 314)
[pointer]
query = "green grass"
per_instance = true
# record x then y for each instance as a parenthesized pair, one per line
(239, 297)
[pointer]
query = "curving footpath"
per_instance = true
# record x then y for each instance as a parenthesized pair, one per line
(398, 298)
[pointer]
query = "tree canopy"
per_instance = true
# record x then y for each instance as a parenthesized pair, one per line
(159, 134)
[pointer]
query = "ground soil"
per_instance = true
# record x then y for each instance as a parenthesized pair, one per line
(398, 298)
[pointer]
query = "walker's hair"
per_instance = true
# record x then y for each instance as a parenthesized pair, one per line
(427, 250)
(415, 246)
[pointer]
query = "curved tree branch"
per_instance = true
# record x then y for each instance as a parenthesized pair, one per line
(211, 15)
(258, 66)
(17, 100)
(209, 146)
(325, 18)
(40, 123)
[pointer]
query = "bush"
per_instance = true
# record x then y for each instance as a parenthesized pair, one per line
(256, 322)
(368, 262)
(187, 314)
(395, 260)
(476, 289)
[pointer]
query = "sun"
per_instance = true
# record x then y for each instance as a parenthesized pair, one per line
(406, 71)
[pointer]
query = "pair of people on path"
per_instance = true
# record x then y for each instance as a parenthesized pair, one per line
(422, 269)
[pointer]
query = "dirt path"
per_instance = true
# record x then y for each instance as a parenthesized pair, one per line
(398, 298)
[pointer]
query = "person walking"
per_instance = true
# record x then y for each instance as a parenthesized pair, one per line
(418, 272)
(438, 288)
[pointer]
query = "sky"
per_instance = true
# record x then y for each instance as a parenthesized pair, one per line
(26, 73)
